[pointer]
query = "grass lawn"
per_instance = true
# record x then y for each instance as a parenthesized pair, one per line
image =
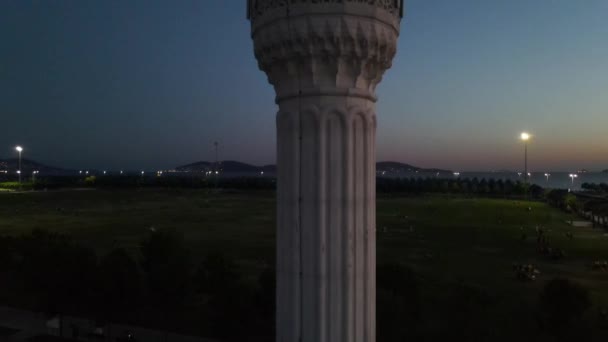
(454, 245)
(476, 241)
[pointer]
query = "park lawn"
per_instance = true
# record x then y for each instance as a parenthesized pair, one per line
(241, 223)
(468, 244)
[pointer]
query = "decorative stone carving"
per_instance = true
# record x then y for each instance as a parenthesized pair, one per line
(257, 8)
(325, 59)
(343, 55)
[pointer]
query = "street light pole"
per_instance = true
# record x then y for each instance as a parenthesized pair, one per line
(19, 149)
(526, 161)
(525, 137)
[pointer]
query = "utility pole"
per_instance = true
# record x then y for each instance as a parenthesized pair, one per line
(217, 164)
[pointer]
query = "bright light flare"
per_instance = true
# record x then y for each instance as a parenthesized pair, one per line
(19, 148)
(524, 136)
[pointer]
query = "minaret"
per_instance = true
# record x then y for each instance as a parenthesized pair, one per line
(325, 59)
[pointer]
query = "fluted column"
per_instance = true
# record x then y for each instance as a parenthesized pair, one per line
(326, 230)
(324, 59)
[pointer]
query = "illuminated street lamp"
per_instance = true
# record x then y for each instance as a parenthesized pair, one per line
(19, 149)
(572, 176)
(547, 175)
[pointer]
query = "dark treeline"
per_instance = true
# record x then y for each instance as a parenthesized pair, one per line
(132, 181)
(468, 186)
(489, 187)
(159, 285)
(597, 188)
(474, 186)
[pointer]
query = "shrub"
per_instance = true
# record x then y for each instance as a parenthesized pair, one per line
(230, 298)
(59, 274)
(90, 181)
(562, 304)
(119, 283)
(399, 303)
(17, 185)
(166, 265)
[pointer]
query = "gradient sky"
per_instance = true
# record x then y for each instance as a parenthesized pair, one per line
(151, 84)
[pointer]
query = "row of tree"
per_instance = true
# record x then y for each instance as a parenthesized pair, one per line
(151, 181)
(490, 187)
(595, 187)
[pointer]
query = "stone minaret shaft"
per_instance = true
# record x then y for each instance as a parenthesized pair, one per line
(324, 59)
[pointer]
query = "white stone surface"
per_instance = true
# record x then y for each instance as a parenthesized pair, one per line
(325, 59)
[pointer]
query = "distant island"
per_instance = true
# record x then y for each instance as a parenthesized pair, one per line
(397, 167)
(605, 171)
(225, 166)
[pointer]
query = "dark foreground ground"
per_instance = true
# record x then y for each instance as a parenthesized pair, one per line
(458, 253)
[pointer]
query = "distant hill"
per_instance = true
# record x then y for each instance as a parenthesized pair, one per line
(396, 167)
(224, 166)
(235, 166)
(27, 166)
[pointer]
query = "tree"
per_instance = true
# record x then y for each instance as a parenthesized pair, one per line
(167, 266)
(90, 180)
(119, 284)
(399, 303)
(508, 187)
(265, 301)
(59, 274)
(454, 187)
(571, 203)
(217, 274)
(520, 188)
(230, 297)
(536, 191)
(562, 304)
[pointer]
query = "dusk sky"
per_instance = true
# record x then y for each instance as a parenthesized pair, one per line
(152, 84)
